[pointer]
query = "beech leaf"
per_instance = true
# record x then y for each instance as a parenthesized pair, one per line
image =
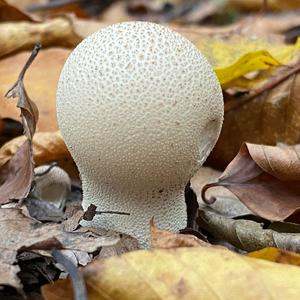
(183, 273)
(266, 180)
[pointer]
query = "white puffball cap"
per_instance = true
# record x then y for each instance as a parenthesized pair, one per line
(140, 109)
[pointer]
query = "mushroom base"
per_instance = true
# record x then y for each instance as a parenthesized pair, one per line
(167, 206)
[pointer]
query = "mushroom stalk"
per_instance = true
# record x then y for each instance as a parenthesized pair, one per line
(166, 205)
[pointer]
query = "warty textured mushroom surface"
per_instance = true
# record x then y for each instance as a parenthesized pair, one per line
(140, 109)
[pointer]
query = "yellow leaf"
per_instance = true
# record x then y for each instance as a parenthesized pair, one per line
(277, 255)
(184, 273)
(238, 56)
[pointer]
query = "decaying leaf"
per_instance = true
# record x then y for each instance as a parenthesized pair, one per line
(166, 240)
(266, 180)
(16, 175)
(166, 274)
(245, 234)
(277, 255)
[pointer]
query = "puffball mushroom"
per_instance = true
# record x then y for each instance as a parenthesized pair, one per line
(140, 109)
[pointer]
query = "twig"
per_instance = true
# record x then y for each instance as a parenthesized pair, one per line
(91, 211)
(99, 212)
(78, 283)
(236, 103)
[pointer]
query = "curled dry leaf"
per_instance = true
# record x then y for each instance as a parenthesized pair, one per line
(166, 274)
(164, 239)
(245, 234)
(20, 36)
(17, 173)
(29, 111)
(266, 179)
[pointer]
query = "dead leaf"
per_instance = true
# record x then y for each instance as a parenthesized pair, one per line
(246, 234)
(277, 255)
(16, 175)
(19, 36)
(164, 239)
(266, 180)
(29, 111)
(183, 273)
(20, 233)
(11, 13)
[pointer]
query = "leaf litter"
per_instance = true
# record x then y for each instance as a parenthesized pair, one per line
(226, 219)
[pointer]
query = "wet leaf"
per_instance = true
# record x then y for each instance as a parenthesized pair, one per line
(166, 274)
(266, 180)
(246, 234)
(277, 255)
(16, 175)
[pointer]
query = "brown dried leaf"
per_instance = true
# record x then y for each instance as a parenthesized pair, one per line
(16, 175)
(266, 180)
(166, 240)
(29, 111)
(20, 233)
(271, 118)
